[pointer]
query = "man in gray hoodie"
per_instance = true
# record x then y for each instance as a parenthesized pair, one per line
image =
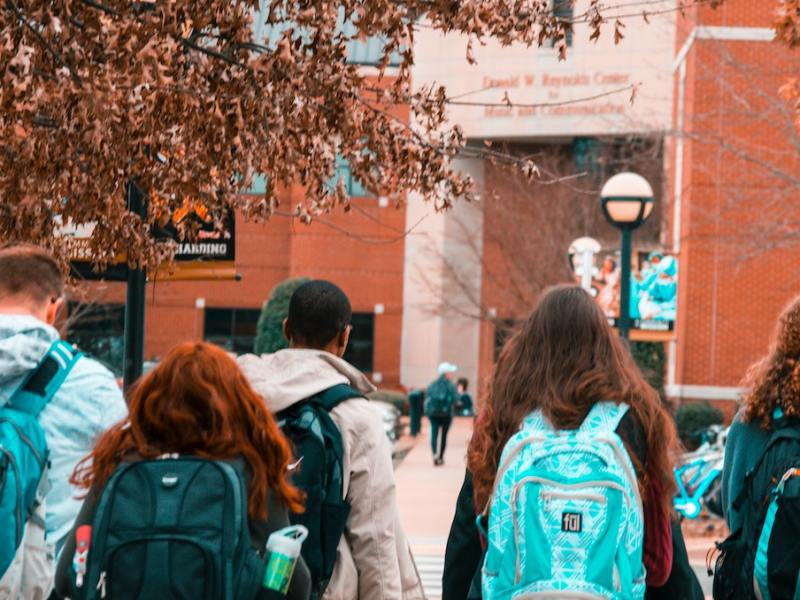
(85, 405)
(374, 560)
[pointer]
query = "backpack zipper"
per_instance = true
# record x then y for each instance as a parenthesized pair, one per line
(18, 507)
(548, 495)
(101, 584)
(26, 440)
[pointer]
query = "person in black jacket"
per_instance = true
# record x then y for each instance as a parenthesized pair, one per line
(561, 362)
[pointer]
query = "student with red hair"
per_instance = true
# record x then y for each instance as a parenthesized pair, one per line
(197, 409)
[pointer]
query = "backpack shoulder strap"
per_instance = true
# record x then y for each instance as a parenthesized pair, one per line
(334, 396)
(604, 416)
(788, 430)
(43, 382)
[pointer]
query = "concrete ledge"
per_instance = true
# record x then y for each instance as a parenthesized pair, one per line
(704, 392)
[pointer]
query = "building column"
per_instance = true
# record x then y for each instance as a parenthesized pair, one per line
(442, 287)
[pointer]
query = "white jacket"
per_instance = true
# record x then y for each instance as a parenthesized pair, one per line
(374, 559)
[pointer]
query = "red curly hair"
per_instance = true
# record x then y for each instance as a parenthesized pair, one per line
(197, 401)
(774, 381)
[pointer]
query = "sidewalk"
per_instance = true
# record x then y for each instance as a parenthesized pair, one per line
(427, 496)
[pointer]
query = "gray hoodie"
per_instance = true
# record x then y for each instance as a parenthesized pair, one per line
(86, 404)
(374, 561)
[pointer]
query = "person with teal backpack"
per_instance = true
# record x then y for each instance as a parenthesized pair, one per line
(54, 403)
(761, 477)
(440, 400)
(25, 458)
(570, 463)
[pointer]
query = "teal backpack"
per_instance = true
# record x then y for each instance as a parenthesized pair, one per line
(23, 448)
(565, 519)
(440, 399)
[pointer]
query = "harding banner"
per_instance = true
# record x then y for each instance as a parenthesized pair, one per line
(210, 255)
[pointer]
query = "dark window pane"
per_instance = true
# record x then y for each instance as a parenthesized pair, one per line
(97, 329)
(361, 349)
(564, 11)
(234, 329)
(218, 322)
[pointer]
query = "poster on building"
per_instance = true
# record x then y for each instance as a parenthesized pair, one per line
(653, 297)
(209, 255)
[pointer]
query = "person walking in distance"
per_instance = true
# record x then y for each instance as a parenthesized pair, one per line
(198, 466)
(356, 547)
(416, 406)
(440, 402)
(54, 404)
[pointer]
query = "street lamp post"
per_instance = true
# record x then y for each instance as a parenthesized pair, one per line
(627, 200)
(581, 257)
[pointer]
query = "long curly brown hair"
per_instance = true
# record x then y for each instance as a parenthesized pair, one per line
(197, 401)
(774, 381)
(564, 359)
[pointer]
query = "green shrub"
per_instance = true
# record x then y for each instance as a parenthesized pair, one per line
(651, 359)
(691, 417)
(269, 336)
(396, 399)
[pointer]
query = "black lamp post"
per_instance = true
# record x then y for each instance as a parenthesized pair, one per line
(627, 200)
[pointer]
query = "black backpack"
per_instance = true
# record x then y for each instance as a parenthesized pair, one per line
(440, 399)
(764, 551)
(317, 444)
(172, 528)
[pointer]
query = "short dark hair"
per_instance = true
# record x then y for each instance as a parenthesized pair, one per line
(463, 382)
(318, 312)
(29, 272)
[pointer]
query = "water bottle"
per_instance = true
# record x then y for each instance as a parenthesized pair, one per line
(283, 547)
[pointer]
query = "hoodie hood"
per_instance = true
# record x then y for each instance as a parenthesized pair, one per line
(24, 340)
(289, 376)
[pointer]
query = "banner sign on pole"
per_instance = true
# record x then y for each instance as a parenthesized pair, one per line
(210, 256)
(654, 293)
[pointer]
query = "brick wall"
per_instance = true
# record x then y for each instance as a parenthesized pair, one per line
(741, 157)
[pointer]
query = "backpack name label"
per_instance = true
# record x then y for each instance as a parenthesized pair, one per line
(572, 522)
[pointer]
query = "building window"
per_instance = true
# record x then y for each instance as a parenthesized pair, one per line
(368, 51)
(563, 10)
(361, 349)
(98, 331)
(231, 328)
(351, 184)
(586, 155)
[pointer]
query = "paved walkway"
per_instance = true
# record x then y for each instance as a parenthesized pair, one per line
(427, 499)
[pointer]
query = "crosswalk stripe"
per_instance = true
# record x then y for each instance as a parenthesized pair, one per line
(430, 571)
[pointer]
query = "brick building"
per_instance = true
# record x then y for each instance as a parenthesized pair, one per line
(722, 154)
(734, 190)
